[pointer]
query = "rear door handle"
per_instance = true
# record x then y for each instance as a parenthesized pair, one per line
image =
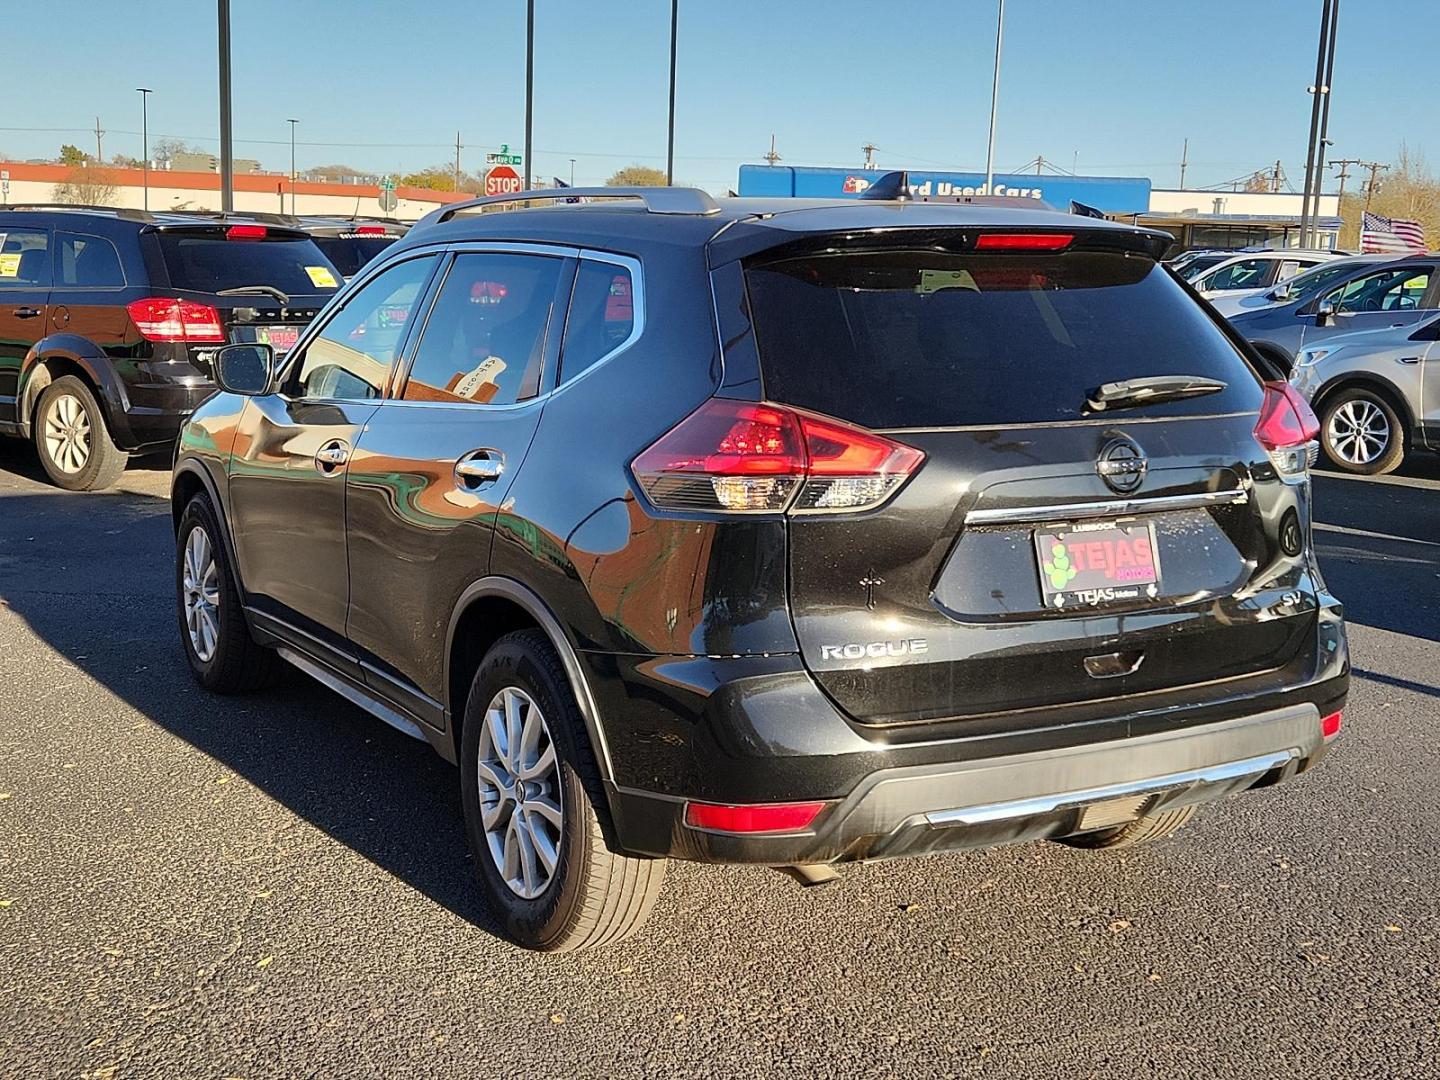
(28, 313)
(331, 456)
(480, 467)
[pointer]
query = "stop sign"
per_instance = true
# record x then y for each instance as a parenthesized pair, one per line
(502, 180)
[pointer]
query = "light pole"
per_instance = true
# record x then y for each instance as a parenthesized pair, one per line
(670, 144)
(292, 122)
(145, 92)
(572, 172)
(994, 101)
(227, 145)
(529, 87)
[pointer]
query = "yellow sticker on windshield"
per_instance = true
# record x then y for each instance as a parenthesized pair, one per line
(10, 265)
(321, 277)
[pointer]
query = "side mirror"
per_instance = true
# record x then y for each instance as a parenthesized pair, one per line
(244, 369)
(1280, 294)
(1325, 313)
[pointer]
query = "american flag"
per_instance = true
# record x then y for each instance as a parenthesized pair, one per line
(1390, 236)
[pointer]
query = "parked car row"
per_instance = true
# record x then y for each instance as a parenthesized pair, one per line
(108, 318)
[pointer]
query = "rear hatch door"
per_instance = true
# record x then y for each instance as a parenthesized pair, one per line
(1047, 552)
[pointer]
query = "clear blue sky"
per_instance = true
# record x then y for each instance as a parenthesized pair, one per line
(1120, 81)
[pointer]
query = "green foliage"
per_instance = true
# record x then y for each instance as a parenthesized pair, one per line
(72, 155)
(637, 176)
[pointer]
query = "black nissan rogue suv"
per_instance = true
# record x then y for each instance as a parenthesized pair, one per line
(776, 532)
(108, 316)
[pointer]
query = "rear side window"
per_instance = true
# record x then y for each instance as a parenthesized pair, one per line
(24, 259)
(208, 262)
(602, 316)
(927, 339)
(484, 340)
(88, 262)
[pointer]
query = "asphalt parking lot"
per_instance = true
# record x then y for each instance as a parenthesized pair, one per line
(278, 885)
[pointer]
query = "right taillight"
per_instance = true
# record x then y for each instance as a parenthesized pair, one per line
(757, 457)
(169, 319)
(1287, 429)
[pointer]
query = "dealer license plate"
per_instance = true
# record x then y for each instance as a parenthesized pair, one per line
(1097, 563)
(281, 338)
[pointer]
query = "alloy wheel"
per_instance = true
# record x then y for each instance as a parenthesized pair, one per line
(200, 583)
(521, 802)
(67, 433)
(1359, 432)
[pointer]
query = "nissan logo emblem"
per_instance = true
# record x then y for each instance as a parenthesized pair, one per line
(1122, 465)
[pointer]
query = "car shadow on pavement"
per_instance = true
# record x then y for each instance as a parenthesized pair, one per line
(91, 575)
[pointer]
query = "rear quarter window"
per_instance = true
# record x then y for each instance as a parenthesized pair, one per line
(900, 339)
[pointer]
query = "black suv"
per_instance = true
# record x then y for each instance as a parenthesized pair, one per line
(771, 532)
(107, 319)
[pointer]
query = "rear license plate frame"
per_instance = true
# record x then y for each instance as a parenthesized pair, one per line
(1071, 579)
(264, 335)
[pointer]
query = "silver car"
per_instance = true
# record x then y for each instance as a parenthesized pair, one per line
(1377, 393)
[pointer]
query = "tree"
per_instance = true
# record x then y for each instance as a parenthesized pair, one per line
(88, 185)
(72, 155)
(125, 161)
(163, 150)
(637, 176)
(1259, 181)
(1409, 190)
(442, 178)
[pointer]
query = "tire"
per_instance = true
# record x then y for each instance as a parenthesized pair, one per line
(222, 655)
(1361, 432)
(1148, 828)
(591, 896)
(71, 438)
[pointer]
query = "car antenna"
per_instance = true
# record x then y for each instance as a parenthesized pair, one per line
(893, 185)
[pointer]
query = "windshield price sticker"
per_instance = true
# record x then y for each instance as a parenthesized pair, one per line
(321, 277)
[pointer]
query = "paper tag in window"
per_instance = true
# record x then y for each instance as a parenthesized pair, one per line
(10, 264)
(321, 277)
(1417, 284)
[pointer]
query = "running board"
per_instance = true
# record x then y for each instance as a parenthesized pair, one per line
(353, 694)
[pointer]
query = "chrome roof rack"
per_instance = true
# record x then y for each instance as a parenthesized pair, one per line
(657, 200)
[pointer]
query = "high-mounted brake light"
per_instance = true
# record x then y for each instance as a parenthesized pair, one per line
(1287, 429)
(748, 457)
(1023, 241)
(169, 319)
(246, 232)
(370, 230)
(752, 818)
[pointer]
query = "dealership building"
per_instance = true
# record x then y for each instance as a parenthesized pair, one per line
(1219, 219)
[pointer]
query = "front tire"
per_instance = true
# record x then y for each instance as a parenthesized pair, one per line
(530, 788)
(222, 655)
(71, 438)
(1361, 433)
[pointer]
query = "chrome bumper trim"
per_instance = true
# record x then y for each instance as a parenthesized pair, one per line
(1046, 804)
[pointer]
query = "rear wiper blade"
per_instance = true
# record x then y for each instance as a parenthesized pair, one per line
(1130, 393)
(256, 290)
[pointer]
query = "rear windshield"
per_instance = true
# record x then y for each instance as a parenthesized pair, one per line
(1198, 265)
(350, 253)
(927, 339)
(208, 262)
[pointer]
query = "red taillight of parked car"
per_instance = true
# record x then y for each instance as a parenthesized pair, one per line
(170, 319)
(749, 457)
(753, 818)
(1286, 428)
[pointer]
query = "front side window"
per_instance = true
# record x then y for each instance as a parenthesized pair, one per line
(1399, 288)
(88, 262)
(352, 356)
(24, 258)
(484, 342)
(602, 316)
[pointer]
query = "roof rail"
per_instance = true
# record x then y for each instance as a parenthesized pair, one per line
(657, 200)
(118, 211)
(265, 216)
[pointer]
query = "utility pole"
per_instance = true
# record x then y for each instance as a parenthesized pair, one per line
(1375, 168)
(1039, 163)
(772, 157)
(994, 100)
(670, 138)
(292, 122)
(457, 161)
(99, 157)
(227, 146)
(529, 86)
(868, 148)
(145, 92)
(572, 172)
(1343, 164)
(1276, 176)
(1317, 90)
(1184, 162)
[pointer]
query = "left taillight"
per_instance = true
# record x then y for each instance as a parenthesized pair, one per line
(169, 319)
(1287, 429)
(749, 457)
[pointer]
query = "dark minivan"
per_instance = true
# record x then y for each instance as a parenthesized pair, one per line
(779, 532)
(108, 318)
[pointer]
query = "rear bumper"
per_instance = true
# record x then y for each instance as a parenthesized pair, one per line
(1024, 796)
(157, 398)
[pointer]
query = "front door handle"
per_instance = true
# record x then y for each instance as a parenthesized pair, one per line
(1407, 360)
(28, 313)
(480, 467)
(330, 457)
